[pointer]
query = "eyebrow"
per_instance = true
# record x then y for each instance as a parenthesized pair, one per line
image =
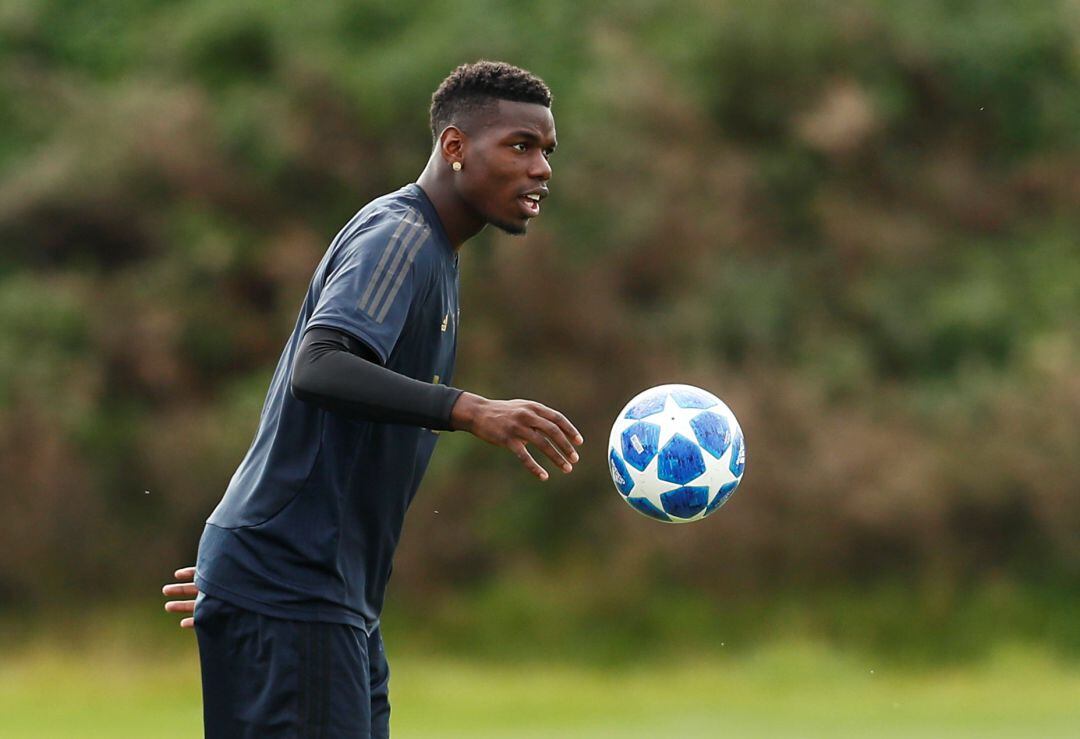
(526, 133)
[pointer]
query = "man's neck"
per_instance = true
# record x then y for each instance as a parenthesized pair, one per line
(460, 222)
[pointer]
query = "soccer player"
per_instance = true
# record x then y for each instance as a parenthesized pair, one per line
(294, 561)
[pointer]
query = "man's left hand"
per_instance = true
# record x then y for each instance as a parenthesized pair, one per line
(184, 588)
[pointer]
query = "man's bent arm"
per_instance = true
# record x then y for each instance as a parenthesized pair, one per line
(339, 373)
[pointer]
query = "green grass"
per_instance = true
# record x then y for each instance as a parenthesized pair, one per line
(789, 690)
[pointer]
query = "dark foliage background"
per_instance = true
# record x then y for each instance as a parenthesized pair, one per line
(854, 221)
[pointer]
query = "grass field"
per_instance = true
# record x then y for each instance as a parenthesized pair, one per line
(791, 690)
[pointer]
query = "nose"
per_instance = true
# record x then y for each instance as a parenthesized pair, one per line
(540, 168)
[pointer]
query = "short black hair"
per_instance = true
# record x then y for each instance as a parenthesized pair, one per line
(471, 87)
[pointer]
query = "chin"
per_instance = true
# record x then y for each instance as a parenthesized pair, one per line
(514, 228)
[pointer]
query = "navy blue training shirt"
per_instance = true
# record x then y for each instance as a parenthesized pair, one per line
(309, 523)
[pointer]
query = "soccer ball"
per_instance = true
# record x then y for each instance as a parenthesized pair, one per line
(676, 453)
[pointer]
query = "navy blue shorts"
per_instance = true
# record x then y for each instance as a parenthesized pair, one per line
(269, 677)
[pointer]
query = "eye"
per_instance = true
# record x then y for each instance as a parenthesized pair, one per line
(548, 153)
(520, 146)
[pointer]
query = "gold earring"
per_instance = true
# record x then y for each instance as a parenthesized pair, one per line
(456, 166)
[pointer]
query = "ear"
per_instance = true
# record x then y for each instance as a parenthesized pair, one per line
(452, 144)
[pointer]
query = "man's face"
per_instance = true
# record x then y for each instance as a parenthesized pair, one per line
(506, 169)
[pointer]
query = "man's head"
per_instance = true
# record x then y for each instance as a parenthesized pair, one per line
(494, 131)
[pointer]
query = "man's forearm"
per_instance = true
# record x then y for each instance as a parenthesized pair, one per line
(340, 374)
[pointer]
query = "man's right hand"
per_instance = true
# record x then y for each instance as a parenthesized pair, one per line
(514, 424)
(184, 588)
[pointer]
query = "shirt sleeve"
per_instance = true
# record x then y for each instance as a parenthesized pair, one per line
(372, 281)
(332, 370)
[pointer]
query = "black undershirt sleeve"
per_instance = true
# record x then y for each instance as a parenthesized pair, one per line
(339, 373)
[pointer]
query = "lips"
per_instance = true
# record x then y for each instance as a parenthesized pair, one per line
(530, 206)
(530, 202)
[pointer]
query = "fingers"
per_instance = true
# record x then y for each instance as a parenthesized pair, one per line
(558, 439)
(180, 606)
(554, 435)
(572, 434)
(518, 448)
(548, 447)
(185, 574)
(185, 588)
(180, 590)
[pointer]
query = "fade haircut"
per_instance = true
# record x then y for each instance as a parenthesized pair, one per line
(473, 87)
